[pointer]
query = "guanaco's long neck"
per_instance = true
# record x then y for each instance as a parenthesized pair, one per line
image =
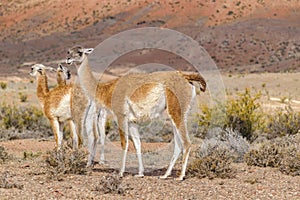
(87, 80)
(60, 79)
(42, 87)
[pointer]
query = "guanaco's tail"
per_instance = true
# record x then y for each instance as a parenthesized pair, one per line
(195, 77)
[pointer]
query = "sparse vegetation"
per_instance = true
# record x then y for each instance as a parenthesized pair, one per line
(283, 122)
(227, 140)
(65, 161)
(241, 114)
(23, 118)
(5, 183)
(30, 155)
(214, 165)
(112, 184)
(282, 153)
(3, 85)
(290, 164)
(266, 155)
(3, 155)
(23, 97)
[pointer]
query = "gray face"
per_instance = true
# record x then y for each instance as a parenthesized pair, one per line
(75, 54)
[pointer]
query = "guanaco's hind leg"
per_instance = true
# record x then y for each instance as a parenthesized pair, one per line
(186, 150)
(182, 142)
(101, 121)
(177, 151)
(124, 144)
(135, 136)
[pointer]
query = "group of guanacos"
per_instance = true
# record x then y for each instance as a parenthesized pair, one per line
(130, 99)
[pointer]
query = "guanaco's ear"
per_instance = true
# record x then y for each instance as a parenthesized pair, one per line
(60, 67)
(88, 51)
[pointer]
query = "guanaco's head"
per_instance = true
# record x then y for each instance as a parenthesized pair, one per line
(77, 54)
(39, 69)
(65, 72)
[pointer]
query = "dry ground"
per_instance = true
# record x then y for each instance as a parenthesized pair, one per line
(249, 183)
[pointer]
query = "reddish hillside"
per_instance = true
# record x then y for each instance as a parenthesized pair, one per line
(248, 35)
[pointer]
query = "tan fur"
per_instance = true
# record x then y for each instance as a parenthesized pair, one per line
(141, 92)
(52, 102)
(104, 93)
(173, 107)
(79, 104)
(42, 87)
(51, 99)
(135, 96)
(59, 78)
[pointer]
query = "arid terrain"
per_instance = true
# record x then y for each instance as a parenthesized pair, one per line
(254, 43)
(249, 183)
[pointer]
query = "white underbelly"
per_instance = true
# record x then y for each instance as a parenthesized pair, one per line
(149, 107)
(63, 111)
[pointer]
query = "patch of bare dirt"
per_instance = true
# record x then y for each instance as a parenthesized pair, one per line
(30, 176)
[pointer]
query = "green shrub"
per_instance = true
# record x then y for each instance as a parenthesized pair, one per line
(215, 165)
(23, 97)
(210, 118)
(241, 114)
(283, 122)
(3, 85)
(30, 155)
(65, 161)
(22, 118)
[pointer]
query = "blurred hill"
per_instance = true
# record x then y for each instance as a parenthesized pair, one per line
(241, 36)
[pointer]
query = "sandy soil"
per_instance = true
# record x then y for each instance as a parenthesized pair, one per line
(249, 183)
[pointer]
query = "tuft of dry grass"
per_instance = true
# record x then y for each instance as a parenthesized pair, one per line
(283, 122)
(290, 164)
(282, 153)
(215, 165)
(7, 184)
(112, 184)
(65, 161)
(3, 155)
(267, 155)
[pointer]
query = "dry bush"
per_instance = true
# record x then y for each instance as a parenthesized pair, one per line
(266, 155)
(215, 165)
(282, 152)
(5, 183)
(283, 122)
(3, 155)
(290, 164)
(112, 184)
(65, 161)
(225, 139)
